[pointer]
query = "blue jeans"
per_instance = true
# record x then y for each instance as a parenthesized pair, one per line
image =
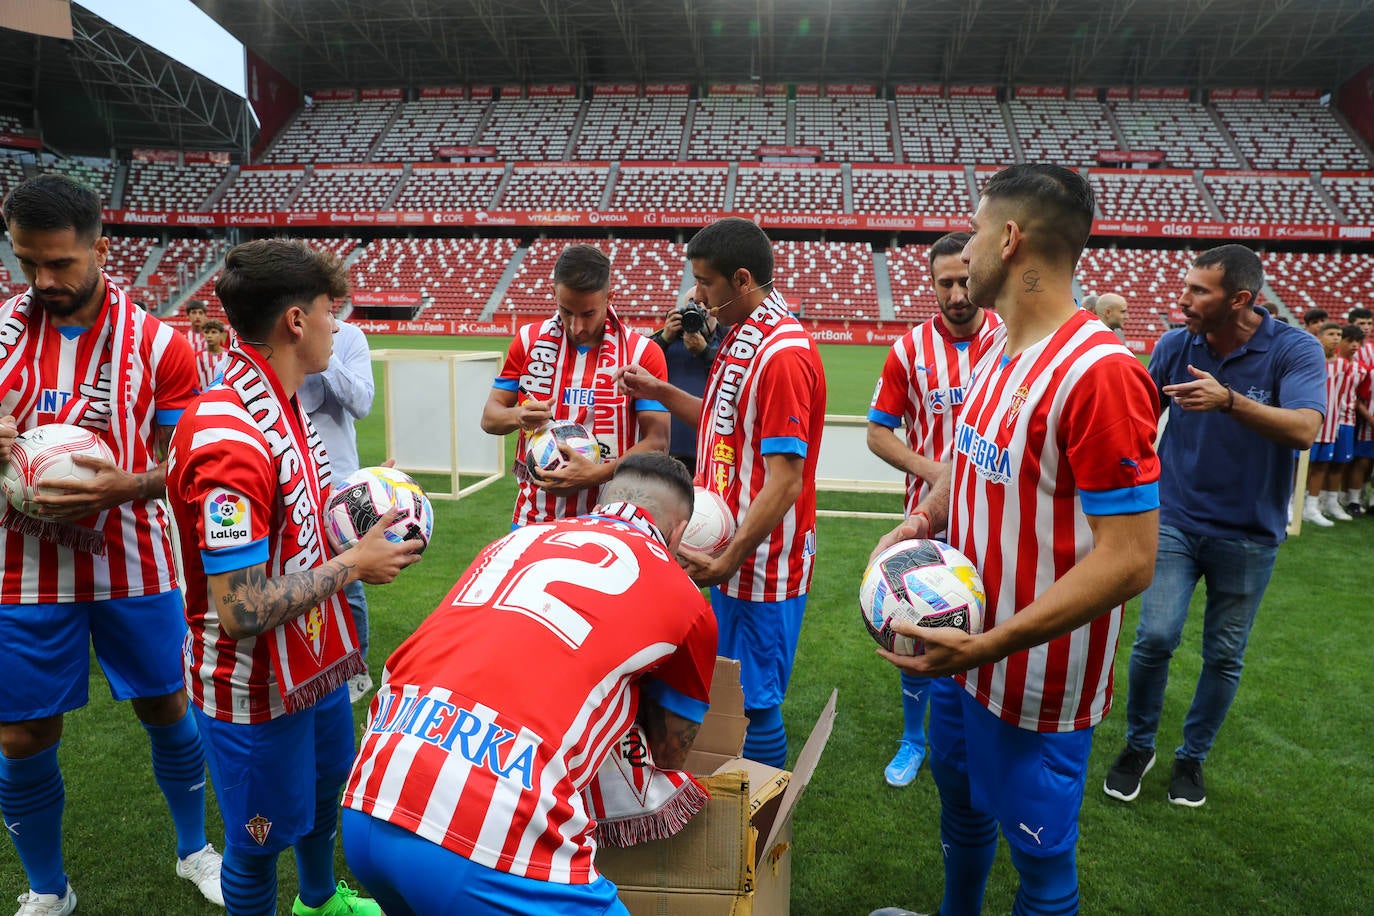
(1236, 573)
(357, 605)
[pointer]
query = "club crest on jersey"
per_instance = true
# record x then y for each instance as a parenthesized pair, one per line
(1018, 400)
(990, 460)
(258, 828)
(311, 628)
(938, 400)
(228, 519)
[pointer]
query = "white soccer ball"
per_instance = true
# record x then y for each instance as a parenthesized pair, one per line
(45, 454)
(361, 499)
(924, 582)
(712, 525)
(542, 452)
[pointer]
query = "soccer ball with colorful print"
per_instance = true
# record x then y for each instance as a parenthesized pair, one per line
(361, 499)
(542, 452)
(712, 525)
(44, 454)
(924, 582)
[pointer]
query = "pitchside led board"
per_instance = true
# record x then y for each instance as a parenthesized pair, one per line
(434, 401)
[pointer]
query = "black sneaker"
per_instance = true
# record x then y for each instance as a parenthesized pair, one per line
(1123, 779)
(1354, 510)
(1186, 786)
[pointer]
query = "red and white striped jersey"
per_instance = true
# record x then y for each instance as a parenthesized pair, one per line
(765, 395)
(1343, 378)
(138, 556)
(494, 715)
(209, 366)
(197, 341)
(588, 395)
(922, 389)
(1365, 354)
(1063, 430)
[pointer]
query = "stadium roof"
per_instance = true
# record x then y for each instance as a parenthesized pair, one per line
(103, 89)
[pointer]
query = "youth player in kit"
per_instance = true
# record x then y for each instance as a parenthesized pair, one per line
(491, 719)
(1053, 495)
(758, 437)
(97, 569)
(563, 369)
(272, 642)
(922, 388)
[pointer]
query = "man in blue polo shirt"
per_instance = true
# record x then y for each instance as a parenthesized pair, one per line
(1243, 391)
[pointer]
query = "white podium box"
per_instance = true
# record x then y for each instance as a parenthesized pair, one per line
(846, 464)
(434, 402)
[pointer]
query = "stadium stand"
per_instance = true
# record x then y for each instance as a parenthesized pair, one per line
(908, 272)
(1135, 194)
(348, 188)
(845, 129)
(1268, 198)
(127, 257)
(684, 187)
(632, 128)
(1355, 196)
(97, 174)
(11, 172)
(778, 189)
(433, 186)
(1150, 279)
(733, 128)
(530, 129)
(425, 125)
(1334, 282)
(12, 124)
(965, 130)
(646, 275)
(459, 275)
(168, 186)
(258, 190)
(826, 279)
(539, 187)
(333, 131)
(1183, 130)
(910, 191)
(1290, 135)
(1067, 131)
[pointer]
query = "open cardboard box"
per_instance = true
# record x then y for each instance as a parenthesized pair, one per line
(735, 857)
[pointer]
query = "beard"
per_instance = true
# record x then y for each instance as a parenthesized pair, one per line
(60, 304)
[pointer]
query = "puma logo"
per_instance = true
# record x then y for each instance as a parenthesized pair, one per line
(944, 848)
(12, 828)
(915, 696)
(197, 787)
(1035, 834)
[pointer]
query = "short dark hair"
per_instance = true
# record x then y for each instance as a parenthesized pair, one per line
(1352, 332)
(1329, 326)
(1358, 313)
(1055, 205)
(654, 468)
(584, 268)
(1313, 316)
(953, 243)
(1241, 270)
(212, 324)
(263, 278)
(733, 243)
(196, 305)
(54, 202)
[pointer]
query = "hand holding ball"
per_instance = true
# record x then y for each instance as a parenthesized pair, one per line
(361, 499)
(923, 582)
(712, 525)
(542, 452)
(45, 454)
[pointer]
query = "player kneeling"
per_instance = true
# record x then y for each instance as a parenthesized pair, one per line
(495, 714)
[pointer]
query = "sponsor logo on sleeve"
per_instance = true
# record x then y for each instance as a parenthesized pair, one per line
(228, 519)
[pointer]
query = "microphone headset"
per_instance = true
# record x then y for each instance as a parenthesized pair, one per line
(739, 297)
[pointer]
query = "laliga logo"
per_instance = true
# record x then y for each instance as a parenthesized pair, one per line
(226, 509)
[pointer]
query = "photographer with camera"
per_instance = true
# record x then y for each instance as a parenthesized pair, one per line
(689, 338)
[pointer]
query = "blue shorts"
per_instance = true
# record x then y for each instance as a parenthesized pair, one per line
(1364, 448)
(265, 774)
(45, 652)
(1035, 790)
(409, 875)
(763, 636)
(1338, 452)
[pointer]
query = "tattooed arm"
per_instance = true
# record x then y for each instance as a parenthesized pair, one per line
(670, 735)
(249, 602)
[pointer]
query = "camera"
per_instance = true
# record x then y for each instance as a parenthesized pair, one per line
(693, 317)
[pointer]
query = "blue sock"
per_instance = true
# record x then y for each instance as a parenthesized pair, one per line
(766, 739)
(1049, 886)
(915, 700)
(179, 768)
(32, 797)
(249, 883)
(315, 850)
(969, 841)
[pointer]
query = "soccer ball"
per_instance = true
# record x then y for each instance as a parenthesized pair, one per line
(542, 453)
(363, 497)
(924, 582)
(712, 524)
(45, 453)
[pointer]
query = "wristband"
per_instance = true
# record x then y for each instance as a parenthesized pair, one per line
(1230, 400)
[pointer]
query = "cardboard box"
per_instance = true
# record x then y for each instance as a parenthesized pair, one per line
(735, 857)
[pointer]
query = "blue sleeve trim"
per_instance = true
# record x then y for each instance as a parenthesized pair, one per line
(783, 445)
(644, 404)
(507, 384)
(883, 419)
(228, 559)
(167, 417)
(1126, 501)
(678, 704)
